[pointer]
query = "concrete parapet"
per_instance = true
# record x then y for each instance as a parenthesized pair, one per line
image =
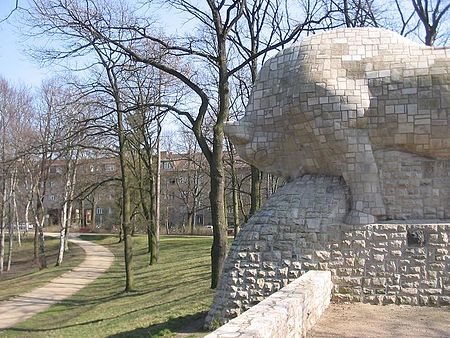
(290, 312)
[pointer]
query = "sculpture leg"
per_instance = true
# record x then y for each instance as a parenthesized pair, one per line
(361, 174)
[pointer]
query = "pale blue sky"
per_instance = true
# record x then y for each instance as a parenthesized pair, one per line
(19, 68)
(15, 66)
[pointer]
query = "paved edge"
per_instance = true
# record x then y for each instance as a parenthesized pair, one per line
(360, 320)
(98, 260)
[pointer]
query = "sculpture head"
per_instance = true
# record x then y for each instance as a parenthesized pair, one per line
(266, 136)
(242, 135)
(265, 147)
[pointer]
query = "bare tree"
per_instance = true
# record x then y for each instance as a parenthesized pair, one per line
(193, 176)
(45, 149)
(431, 14)
(355, 13)
(11, 12)
(15, 107)
(216, 20)
(147, 92)
(72, 159)
(425, 19)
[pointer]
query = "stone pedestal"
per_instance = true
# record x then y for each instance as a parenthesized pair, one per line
(301, 228)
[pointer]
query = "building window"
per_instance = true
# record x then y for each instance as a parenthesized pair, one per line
(55, 170)
(199, 219)
(110, 167)
(99, 211)
(51, 184)
(167, 165)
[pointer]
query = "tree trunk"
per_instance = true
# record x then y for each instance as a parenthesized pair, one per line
(16, 218)
(42, 256)
(127, 238)
(216, 196)
(126, 204)
(27, 214)
(72, 179)
(82, 214)
(154, 252)
(2, 222)
(67, 228)
(192, 220)
(36, 241)
(62, 229)
(39, 236)
(10, 224)
(10, 247)
(62, 236)
(2, 247)
(167, 220)
(255, 190)
(235, 197)
(430, 36)
(150, 218)
(93, 210)
(149, 210)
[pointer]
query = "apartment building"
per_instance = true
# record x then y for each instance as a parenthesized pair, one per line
(184, 201)
(95, 197)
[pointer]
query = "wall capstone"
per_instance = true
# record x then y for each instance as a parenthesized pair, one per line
(290, 312)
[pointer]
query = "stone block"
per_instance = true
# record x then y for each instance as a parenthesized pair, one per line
(444, 301)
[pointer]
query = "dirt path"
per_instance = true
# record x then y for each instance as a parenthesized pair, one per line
(374, 321)
(98, 260)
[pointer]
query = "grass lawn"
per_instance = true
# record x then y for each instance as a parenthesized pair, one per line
(170, 296)
(24, 274)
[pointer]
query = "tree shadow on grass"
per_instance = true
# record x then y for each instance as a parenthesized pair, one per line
(184, 325)
(171, 321)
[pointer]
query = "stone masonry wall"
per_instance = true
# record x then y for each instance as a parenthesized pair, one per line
(301, 228)
(377, 264)
(414, 187)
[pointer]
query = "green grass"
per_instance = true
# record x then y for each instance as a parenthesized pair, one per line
(24, 274)
(170, 296)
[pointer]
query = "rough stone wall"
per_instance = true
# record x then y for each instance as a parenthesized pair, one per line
(301, 228)
(280, 242)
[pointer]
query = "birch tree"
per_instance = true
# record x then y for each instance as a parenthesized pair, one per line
(15, 114)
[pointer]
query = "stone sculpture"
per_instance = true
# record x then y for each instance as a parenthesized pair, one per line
(356, 119)
(329, 104)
